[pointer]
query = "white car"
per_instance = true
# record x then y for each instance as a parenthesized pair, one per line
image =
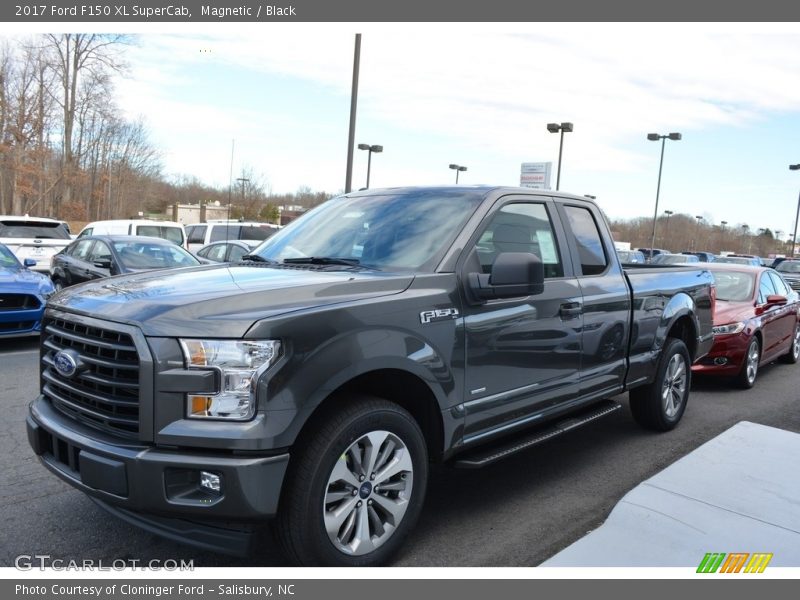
(166, 230)
(201, 234)
(35, 238)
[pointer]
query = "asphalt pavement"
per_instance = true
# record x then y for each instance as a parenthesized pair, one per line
(518, 512)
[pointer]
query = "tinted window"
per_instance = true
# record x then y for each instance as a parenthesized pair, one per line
(252, 232)
(32, 229)
(196, 234)
(521, 227)
(172, 234)
(588, 238)
(100, 251)
(223, 232)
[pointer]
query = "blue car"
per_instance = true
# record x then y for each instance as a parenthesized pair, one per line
(23, 294)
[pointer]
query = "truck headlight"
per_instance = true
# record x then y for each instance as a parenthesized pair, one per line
(240, 363)
(728, 329)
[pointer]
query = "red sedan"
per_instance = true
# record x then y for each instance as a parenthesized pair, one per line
(756, 320)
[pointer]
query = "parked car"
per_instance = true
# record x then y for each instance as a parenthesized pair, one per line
(755, 322)
(379, 332)
(730, 259)
(674, 259)
(630, 257)
(98, 256)
(202, 234)
(36, 238)
(166, 230)
(230, 251)
(23, 294)
(703, 256)
(650, 253)
(790, 270)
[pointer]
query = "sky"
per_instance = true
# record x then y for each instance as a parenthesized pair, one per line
(480, 95)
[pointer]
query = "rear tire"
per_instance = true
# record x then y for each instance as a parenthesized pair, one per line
(660, 405)
(792, 356)
(746, 378)
(356, 487)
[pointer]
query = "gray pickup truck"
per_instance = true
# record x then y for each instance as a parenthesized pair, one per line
(314, 382)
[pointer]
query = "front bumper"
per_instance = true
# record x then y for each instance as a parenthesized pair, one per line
(731, 349)
(154, 483)
(21, 322)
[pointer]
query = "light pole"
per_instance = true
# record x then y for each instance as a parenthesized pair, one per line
(654, 137)
(563, 128)
(797, 215)
(669, 213)
(457, 169)
(694, 242)
(722, 240)
(370, 150)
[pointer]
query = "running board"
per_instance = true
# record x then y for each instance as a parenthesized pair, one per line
(486, 455)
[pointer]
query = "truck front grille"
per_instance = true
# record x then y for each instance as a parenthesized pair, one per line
(104, 390)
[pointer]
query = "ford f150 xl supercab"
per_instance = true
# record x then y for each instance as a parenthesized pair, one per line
(314, 382)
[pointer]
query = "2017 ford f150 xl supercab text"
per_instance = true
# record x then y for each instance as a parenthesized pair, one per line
(315, 381)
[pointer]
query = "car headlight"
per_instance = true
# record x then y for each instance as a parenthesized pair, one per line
(240, 363)
(728, 329)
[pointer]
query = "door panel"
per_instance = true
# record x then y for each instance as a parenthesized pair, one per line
(522, 353)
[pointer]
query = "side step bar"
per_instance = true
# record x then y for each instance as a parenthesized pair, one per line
(486, 455)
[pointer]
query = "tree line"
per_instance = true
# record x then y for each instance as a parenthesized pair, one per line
(683, 232)
(67, 150)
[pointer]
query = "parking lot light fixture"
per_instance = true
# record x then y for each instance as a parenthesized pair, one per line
(370, 149)
(654, 137)
(563, 128)
(457, 169)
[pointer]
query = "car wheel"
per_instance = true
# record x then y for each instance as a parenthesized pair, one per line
(356, 488)
(747, 375)
(660, 405)
(792, 356)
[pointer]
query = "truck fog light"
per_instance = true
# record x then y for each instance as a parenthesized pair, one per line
(210, 482)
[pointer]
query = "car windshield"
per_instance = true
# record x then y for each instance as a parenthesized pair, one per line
(789, 266)
(734, 286)
(7, 259)
(406, 231)
(32, 230)
(148, 255)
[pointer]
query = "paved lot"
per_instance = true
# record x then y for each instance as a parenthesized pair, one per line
(516, 513)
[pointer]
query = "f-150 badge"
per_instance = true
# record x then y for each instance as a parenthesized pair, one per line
(440, 314)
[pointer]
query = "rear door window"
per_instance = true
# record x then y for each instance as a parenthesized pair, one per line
(588, 239)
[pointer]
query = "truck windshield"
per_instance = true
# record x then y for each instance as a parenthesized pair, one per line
(403, 231)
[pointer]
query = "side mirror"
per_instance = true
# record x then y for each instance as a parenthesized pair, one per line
(776, 300)
(514, 274)
(29, 262)
(104, 263)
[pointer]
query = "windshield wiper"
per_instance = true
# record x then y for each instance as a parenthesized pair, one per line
(326, 260)
(257, 258)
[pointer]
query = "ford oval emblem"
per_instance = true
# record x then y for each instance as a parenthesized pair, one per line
(65, 364)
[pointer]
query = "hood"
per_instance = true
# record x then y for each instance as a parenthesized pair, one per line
(24, 281)
(219, 300)
(733, 312)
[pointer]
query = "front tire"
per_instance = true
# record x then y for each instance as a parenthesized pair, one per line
(356, 488)
(660, 405)
(747, 375)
